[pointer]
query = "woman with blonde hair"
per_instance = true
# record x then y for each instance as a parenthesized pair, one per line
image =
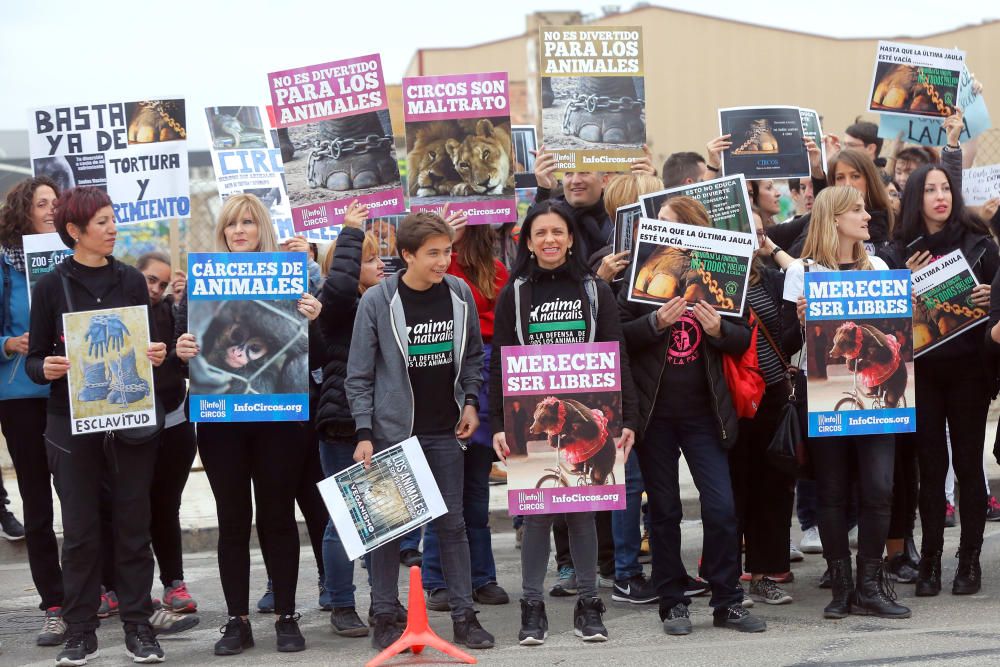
(268, 454)
(621, 190)
(836, 242)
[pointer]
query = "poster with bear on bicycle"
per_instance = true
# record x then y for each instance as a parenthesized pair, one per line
(859, 350)
(563, 420)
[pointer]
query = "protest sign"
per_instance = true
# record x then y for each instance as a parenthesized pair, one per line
(563, 419)
(929, 131)
(980, 184)
(395, 495)
(384, 230)
(671, 259)
(767, 142)
(136, 151)
(812, 128)
(593, 96)
(458, 145)
(337, 120)
(725, 199)
(110, 377)
(525, 146)
(944, 307)
(254, 359)
(626, 229)
(915, 80)
(860, 359)
(42, 252)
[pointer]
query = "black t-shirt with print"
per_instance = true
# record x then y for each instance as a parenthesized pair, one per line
(556, 314)
(430, 332)
(684, 386)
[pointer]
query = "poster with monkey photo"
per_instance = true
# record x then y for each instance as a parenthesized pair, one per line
(395, 495)
(915, 80)
(671, 259)
(859, 351)
(563, 420)
(253, 363)
(944, 308)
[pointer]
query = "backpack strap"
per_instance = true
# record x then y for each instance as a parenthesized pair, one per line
(5, 314)
(517, 310)
(590, 288)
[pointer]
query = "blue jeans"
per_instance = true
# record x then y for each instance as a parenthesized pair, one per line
(625, 523)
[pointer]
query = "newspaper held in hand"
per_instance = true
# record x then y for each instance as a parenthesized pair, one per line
(392, 497)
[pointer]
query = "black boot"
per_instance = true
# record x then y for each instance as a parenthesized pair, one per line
(910, 550)
(874, 595)
(842, 582)
(929, 577)
(969, 575)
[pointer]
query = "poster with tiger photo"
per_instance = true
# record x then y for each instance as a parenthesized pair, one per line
(944, 308)
(915, 80)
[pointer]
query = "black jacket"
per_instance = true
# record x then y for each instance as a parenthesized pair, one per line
(606, 325)
(48, 303)
(335, 324)
(168, 377)
(592, 222)
(647, 350)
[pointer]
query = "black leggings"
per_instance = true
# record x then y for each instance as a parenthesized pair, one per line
(270, 455)
(173, 465)
(905, 488)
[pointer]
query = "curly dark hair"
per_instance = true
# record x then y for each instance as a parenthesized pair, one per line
(15, 212)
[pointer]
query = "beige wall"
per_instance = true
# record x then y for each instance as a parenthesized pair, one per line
(696, 64)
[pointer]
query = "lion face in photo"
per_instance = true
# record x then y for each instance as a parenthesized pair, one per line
(483, 160)
(431, 171)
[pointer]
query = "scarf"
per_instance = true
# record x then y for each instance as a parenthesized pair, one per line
(15, 256)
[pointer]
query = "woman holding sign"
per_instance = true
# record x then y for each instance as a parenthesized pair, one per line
(836, 242)
(548, 277)
(269, 455)
(92, 280)
(955, 386)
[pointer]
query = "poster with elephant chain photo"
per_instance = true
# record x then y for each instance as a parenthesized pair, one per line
(136, 151)
(253, 363)
(859, 350)
(915, 80)
(562, 411)
(335, 117)
(593, 95)
(767, 142)
(944, 308)
(110, 377)
(671, 259)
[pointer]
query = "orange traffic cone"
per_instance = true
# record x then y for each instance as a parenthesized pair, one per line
(418, 633)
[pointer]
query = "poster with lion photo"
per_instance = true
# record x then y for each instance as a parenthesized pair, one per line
(593, 96)
(767, 142)
(337, 139)
(562, 411)
(915, 80)
(384, 230)
(136, 151)
(944, 308)
(725, 199)
(395, 495)
(110, 377)
(859, 351)
(459, 149)
(671, 259)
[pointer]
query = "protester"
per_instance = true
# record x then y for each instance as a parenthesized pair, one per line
(676, 360)
(802, 193)
(836, 240)
(684, 168)
(89, 280)
(622, 190)
(547, 272)
(29, 209)
(863, 135)
(909, 159)
(268, 455)
(382, 382)
(766, 196)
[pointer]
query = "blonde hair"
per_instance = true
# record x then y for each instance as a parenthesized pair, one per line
(369, 249)
(246, 205)
(823, 240)
(626, 189)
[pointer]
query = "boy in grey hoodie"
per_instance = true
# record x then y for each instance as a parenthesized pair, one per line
(416, 333)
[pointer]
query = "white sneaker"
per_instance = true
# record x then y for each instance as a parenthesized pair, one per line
(794, 555)
(852, 537)
(810, 543)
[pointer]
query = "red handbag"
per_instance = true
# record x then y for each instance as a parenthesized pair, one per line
(746, 382)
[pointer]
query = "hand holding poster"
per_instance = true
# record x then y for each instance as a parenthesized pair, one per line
(980, 184)
(136, 151)
(110, 377)
(671, 259)
(944, 307)
(394, 496)
(593, 96)
(562, 416)
(930, 131)
(337, 115)
(42, 252)
(915, 80)
(458, 145)
(862, 322)
(813, 129)
(253, 363)
(767, 142)
(725, 199)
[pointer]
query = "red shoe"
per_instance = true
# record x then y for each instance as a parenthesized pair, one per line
(992, 509)
(176, 598)
(949, 515)
(109, 603)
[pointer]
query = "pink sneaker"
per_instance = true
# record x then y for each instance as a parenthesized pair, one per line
(949, 515)
(176, 598)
